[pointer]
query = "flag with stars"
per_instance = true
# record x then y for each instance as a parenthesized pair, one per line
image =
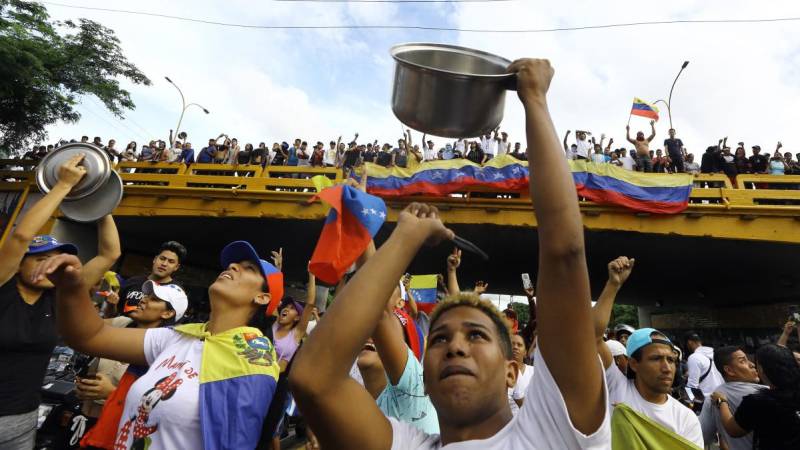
(354, 219)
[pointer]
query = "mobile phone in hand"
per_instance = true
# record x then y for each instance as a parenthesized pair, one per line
(526, 282)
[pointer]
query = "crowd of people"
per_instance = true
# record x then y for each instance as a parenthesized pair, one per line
(354, 366)
(672, 158)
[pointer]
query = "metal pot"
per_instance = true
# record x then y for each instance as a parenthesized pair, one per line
(98, 192)
(449, 91)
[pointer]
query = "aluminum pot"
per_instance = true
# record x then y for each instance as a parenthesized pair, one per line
(449, 91)
(98, 192)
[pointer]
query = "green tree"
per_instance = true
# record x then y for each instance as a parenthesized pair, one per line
(45, 66)
(627, 314)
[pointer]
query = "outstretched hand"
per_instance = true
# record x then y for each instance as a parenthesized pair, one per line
(277, 259)
(70, 173)
(454, 260)
(64, 271)
(533, 78)
(421, 218)
(480, 287)
(619, 270)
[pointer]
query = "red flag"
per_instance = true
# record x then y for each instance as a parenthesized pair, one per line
(353, 221)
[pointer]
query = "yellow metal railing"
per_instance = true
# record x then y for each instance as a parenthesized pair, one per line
(778, 192)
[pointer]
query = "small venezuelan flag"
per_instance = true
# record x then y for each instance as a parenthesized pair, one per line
(644, 109)
(423, 288)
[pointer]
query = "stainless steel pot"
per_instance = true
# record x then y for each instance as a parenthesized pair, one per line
(98, 192)
(449, 91)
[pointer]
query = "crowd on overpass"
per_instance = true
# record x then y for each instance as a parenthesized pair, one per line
(369, 369)
(672, 157)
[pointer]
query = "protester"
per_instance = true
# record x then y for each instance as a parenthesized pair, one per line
(165, 264)
(740, 160)
(690, 166)
(618, 352)
(644, 163)
(27, 306)
(646, 384)
(703, 377)
(467, 365)
(772, 415)
(675, 151)
(776, 164)
(516, 395)
(741, 380)
(222, 373)
(758, 162)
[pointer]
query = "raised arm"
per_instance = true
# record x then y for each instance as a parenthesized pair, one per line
(78, 321)
(453, 261)
(652, 132)
(390, 345)
(566, 136)
(610, 141)
(108, 251)
(628, 134)
(337, 408)
(563, 280)
(308, 311)
(618, 272)
(787, 332)
(412, 303)
(16, 244)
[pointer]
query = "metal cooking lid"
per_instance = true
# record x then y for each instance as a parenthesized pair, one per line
(398, 52)
(97, 205)
(98, 169)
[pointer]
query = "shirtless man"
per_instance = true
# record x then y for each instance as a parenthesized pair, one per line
(643, 161)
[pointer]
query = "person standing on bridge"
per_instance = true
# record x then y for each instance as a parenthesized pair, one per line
(468, 364)
(644, 162)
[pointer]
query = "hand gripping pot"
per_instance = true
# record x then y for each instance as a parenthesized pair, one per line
(449, 91)
(98, 192)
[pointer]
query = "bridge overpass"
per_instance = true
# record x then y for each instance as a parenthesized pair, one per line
(734, 246)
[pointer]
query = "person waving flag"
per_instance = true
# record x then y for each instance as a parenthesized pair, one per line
(644, 109)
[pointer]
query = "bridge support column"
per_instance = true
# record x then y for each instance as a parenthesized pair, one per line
(644, 316)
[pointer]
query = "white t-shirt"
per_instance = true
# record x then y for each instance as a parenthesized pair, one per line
(671, 414)
(330, 156)
(163, 406)
(503, 147)
(489, 146)
(627, 162)
(461, 145)
(542, 423)
(698, 364)
(430, 154)
(584, 148)
(519, 389)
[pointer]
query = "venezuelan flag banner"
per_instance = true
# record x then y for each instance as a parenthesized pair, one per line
(644, 109)
(601, 183)
(238, 376)
(444, 177)
(631, 430)
(423, 288)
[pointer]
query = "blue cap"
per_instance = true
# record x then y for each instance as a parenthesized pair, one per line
(641, 338)
(239, 251)
(45, 243)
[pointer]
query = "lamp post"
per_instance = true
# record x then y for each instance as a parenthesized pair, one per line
(184, 107)
(669, 99)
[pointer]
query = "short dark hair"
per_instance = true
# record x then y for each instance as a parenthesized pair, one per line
(637, 355)
(723, 357)
(780, 367)
(175, 247)
(472, 300)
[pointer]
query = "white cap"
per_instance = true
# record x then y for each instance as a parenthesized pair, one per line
(616, 348)
(170, 293)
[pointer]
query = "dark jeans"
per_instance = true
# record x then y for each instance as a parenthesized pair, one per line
(677, 162)
(644, 163)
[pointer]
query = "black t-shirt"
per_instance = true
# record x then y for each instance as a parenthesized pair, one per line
(351, 158)
(27, 339)
(759, 163)
(400, 157)
(384, 159)
(476, 155)
(370, 155)
(773, 418)
(243, 157)
(673, 146)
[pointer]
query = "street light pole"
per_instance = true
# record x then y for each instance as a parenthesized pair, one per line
(669, 100)
(184, 107)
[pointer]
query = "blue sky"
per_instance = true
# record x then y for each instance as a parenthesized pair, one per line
(274, 85)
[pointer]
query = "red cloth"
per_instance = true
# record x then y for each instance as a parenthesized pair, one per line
(104, 432)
